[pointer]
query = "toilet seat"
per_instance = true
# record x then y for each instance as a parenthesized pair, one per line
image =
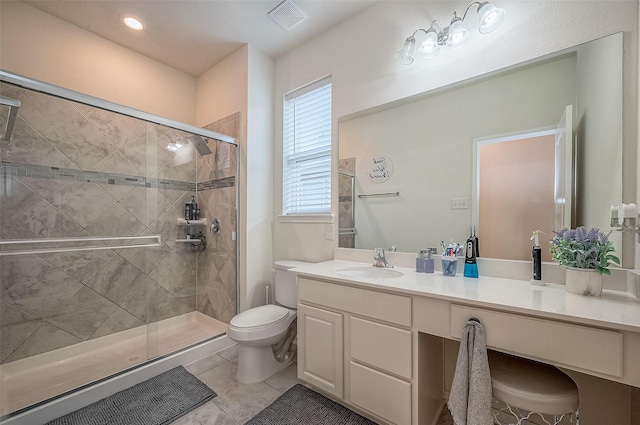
(259, 316)
(260, 323)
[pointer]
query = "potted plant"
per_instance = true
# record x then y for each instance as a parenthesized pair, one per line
(586, 254)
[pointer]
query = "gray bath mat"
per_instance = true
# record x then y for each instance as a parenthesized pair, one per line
(300, 405)
(157, 401)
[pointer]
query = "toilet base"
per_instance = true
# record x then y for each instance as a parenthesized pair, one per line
(255, 364)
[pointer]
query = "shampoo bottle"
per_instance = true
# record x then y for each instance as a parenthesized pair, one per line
(536, 253)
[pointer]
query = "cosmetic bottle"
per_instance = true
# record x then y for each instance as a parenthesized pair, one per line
(190, 209)
(536, 253)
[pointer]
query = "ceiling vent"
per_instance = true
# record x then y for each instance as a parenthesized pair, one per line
(287, 14)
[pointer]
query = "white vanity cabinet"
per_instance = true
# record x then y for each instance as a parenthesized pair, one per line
(356, 344)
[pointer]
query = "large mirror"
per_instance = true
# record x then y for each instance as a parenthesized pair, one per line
(411, 171)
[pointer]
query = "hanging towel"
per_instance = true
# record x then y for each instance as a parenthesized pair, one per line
(470, 397)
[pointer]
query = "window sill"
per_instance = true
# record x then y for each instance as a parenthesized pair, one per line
(306, 218)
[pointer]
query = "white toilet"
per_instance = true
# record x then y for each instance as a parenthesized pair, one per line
(265, 334)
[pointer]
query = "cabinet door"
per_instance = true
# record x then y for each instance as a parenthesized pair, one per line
(320, 349)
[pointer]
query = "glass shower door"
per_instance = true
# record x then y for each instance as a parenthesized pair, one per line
(95, 277)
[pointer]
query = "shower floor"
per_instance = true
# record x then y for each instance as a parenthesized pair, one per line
(38, 378)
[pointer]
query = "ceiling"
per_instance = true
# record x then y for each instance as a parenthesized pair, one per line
(194, 35)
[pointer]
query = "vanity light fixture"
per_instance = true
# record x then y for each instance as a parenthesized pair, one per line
(132, 21)
(453, 36)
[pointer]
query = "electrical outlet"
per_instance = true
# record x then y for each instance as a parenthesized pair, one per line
(459, 203)
(328, 232)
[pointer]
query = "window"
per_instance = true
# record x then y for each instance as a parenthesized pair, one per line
(307, 150)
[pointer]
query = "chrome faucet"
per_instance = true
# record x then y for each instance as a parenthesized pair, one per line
(381, 260)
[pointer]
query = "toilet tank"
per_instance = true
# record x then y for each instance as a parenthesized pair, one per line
(285, 282)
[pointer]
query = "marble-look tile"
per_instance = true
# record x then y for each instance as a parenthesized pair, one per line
(83, 265)
(166, 226)
(347, 165)
(27, 146)
(245, 401)
(207, 414)
(136, 203)
(151, 302)
(230, 353)
(135, 151)
(46, 338)
(116, 221)
(120, 320)
(81, 142)
(116, 191)
(42, 298)
(146, 259)
(156, 153)
(83, 313)
(176, 273)
(81, 201)
(117, 279)
(15, 327)
(44, 112)
(222, 379)
(206, 364)
(116, 163)
(225, 160)
(117, 128)
(284, 379)
(37, 217)
(26, 269)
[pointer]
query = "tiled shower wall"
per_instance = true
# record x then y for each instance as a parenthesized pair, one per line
(217, 290)
(346, 219)
(74, 170)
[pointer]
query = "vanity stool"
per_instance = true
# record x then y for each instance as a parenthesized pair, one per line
(522, 388)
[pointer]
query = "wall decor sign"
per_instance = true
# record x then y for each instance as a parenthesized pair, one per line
(380, 169)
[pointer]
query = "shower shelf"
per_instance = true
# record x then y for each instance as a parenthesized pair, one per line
(184, 222)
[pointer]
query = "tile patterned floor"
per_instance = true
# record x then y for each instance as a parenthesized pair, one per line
(236, 403)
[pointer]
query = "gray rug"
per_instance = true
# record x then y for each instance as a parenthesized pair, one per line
(157, 401)
(300, 405)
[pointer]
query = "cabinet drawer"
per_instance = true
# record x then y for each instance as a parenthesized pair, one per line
(574, 346)
(380, 394)
(390, 308)
(382, 346)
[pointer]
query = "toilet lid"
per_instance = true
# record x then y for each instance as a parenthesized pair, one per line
(258, 316)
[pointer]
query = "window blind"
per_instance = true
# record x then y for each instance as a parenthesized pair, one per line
(307, 150)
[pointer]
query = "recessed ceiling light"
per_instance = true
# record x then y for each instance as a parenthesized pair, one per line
(132, 21)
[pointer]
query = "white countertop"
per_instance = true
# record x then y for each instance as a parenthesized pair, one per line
(613, 310)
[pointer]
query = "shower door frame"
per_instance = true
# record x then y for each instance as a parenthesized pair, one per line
(92, 101)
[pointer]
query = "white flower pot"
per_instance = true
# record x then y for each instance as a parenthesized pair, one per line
(583, 281)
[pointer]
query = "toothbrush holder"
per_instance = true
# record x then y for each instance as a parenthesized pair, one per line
(449, 265)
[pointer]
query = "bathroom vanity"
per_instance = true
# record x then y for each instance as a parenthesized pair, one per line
(376, 343)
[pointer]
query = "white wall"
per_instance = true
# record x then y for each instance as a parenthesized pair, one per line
(358, 54)
(40, 46)
(259, 180)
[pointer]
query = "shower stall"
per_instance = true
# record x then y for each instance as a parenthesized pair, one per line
(99, 270)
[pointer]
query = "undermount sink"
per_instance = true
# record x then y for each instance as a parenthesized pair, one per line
(370, 272)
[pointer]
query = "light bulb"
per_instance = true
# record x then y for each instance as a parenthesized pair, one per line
(405, 54)
(429, 47)
(490, 17)
(458, 34)
(132, 21)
